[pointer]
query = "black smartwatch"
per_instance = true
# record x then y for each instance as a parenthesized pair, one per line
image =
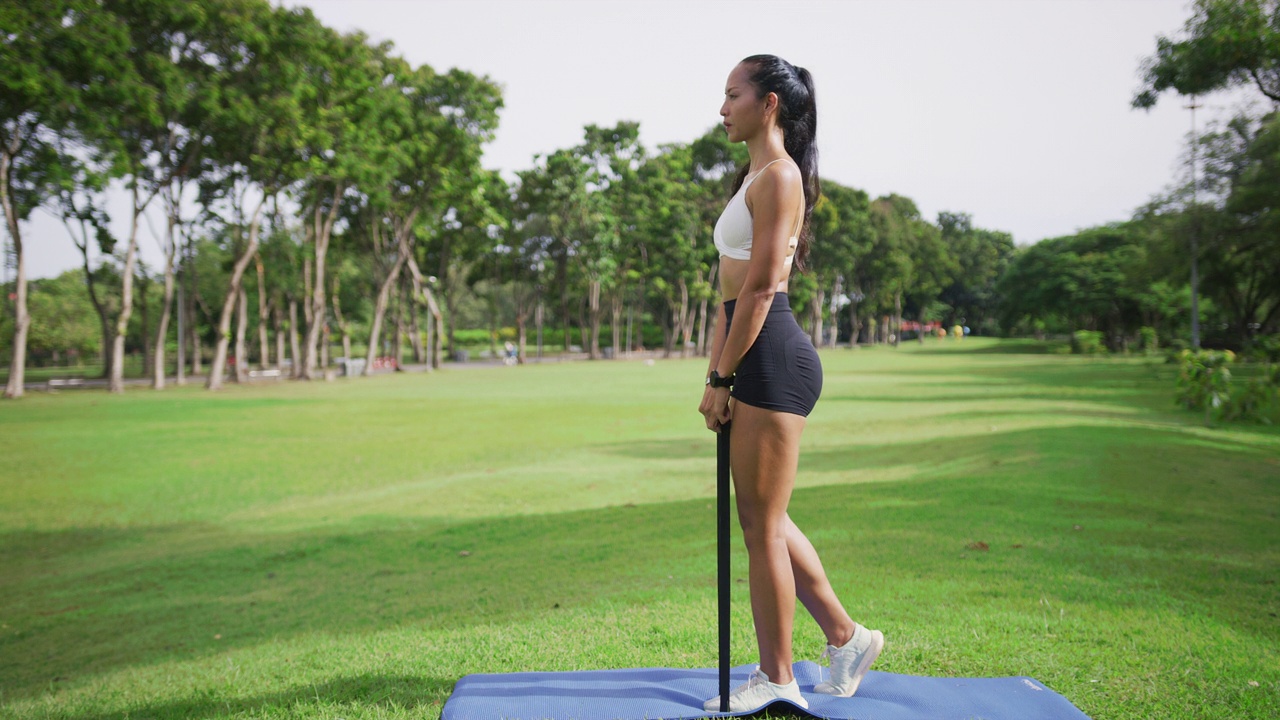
(714, 380)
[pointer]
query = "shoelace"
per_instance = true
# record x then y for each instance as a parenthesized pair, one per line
(753, 680)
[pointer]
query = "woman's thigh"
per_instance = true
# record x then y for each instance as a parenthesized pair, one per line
(765, 451)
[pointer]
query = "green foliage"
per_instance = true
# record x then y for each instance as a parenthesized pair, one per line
(1148, 340)
(64, 327)
(1227, 43)
(1204, 382)
(1087, 342)
(1090, 280)
(1256, 400)
(1266, 349)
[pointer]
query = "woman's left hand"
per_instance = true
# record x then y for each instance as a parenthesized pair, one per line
(716, 407)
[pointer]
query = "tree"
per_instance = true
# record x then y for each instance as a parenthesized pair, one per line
(556, 190)
(676, 256)
(842, 237)
(445, 120)
(1234, 218)
(343, 146)
(1088, 281)
(145, 138)
(1228, 43)
(613, 156)
(54, 56)
(254, 134)
(981, 258)
(1242, 265)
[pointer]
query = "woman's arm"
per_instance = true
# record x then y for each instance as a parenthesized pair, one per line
(715, 401)
(717, 343)
(771, 199)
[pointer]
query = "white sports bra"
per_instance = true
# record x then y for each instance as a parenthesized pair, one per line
(733, 230)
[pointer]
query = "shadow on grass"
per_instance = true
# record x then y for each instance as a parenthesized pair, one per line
(387, 692)
(1102, 517)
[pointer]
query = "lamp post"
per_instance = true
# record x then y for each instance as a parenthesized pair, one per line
(1195, 231)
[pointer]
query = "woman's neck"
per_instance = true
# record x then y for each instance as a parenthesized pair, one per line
(765, 147)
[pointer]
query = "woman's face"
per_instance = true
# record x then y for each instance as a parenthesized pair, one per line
(743, 111)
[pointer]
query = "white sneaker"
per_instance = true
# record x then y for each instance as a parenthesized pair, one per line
(756, 692)
(850, 662)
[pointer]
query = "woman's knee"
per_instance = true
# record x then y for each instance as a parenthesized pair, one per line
(758, 533)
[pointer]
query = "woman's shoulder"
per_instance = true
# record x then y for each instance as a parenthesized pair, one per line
(780, 178)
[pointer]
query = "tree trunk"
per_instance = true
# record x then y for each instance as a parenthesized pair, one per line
(184, 321)
(342, 321)
(295, 366)
(702, 347)
(116, 382)
(237, 277)
(197, 352)
(684, 324)
(433, 346)
(323, 229)
(278, 314)
(396, 346)
(242, 325)
(21, 320)
(380, 311)
(897, 317)
(593, 317)
(833, 309)
(165, 309)
(264, 343)
(815, 317)
(855, 325)
(162, 330)
(144, 284)
(668, 332)
(415, 333)
(306, 286)
(615, 316)
(435, 325)
(325, 339)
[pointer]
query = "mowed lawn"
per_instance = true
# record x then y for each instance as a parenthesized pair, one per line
(350, 549)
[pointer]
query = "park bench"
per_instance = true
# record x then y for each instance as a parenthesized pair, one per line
(270, 373)
(54, 383)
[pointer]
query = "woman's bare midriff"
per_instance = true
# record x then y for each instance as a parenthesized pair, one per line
(733, 273)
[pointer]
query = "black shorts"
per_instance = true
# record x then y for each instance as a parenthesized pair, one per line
(781, 370)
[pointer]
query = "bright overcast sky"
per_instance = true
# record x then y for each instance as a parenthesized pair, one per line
(1015, 111)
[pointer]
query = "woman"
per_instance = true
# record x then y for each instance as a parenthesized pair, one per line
(775, 377)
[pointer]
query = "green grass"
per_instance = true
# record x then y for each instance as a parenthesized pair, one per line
(350, 549)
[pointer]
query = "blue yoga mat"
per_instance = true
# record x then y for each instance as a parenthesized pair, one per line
(672, 694)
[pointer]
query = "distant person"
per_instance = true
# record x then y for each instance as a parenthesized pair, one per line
(775, 376)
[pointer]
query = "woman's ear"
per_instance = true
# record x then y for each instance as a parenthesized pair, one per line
(770, 103)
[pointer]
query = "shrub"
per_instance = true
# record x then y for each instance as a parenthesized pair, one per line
(1204, 381)
(1256, 400)
(1087, 342)
(1266, 349)
(1148, 341)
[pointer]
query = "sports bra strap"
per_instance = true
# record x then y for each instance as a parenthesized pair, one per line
(792, 242)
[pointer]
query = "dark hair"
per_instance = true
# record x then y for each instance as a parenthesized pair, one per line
(798, 118)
